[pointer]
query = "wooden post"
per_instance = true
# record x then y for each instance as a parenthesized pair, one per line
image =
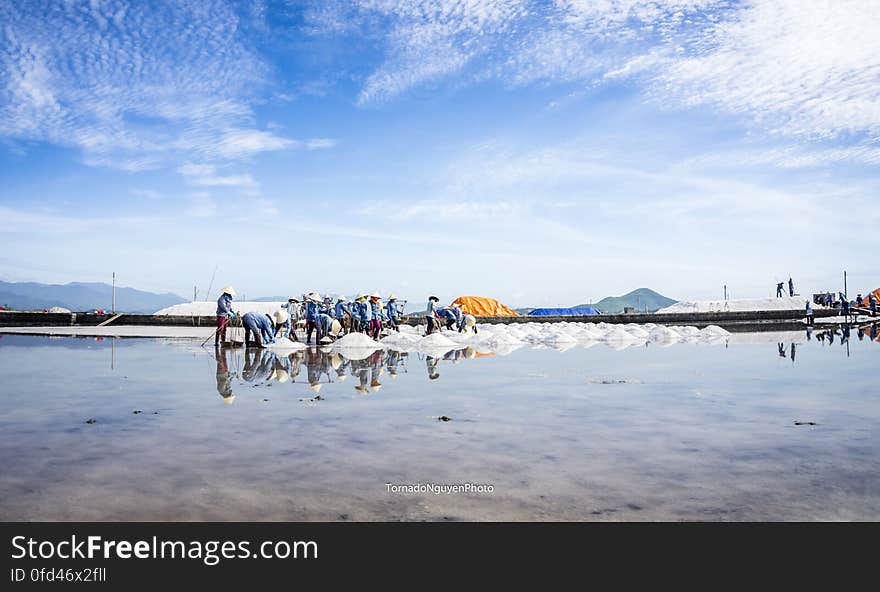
(113, 307)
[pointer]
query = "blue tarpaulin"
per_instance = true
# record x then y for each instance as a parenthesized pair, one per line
(564, 312)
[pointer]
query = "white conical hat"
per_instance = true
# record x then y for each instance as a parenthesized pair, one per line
(282, 375)
(316, 387)
(341, 297)
(392, 297)
(228, 290)
(281, 317)
(228, 400)
(375, 295)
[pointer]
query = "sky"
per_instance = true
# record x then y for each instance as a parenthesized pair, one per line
(543, 153)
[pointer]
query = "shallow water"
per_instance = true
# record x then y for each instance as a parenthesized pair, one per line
(687, 432)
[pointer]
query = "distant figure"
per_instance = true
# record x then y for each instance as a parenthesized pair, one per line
(859, 299)
(809, 313)
(844, 306)
(829, 299)
(790, 287)
(224, 313)
(872, 304)
(779, 289)
(781, 348)
(793, 345)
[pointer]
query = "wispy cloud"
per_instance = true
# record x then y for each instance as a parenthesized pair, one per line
(133, 85)
(206, 175)
(796, 68)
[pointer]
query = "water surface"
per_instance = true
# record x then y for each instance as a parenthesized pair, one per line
(687, 432)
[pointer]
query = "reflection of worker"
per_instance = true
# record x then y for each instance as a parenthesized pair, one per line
(793, 349)
(392, 361)
(258, 365)
(431, 364)
(781, 348)
(294, 360)
(375, 361)
(224, 380)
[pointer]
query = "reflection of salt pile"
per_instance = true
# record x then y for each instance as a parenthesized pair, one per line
(436, 345)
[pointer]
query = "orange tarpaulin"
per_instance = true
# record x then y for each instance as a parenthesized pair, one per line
(876, 294)
(480, 306)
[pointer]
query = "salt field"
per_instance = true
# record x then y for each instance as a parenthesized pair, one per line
(564, 421)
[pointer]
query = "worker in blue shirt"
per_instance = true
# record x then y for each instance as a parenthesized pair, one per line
(448, 314)
(872, 304)
(224, 313)
(375, 316)
(392, 312)
(261, 326)
(313, 306)
(342, 312)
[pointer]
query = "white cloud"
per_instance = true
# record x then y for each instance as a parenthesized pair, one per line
(803, 68)
(133, 85)
(320, 143)
(799, 68)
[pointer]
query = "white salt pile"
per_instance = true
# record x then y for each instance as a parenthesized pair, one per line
(436, 340)
(356, 340)
(286, 344)
(742, 305)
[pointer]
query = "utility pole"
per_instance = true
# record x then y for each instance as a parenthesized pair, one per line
(844, 284)
(195, 293)
(113, 307)
(725, 291)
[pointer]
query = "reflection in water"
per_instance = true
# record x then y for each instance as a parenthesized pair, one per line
(325, 366)
(653, 433)
(224, 380)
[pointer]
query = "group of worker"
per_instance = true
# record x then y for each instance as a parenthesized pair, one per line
(780, 288)
(328, 320)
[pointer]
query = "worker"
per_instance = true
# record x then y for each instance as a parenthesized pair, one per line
(790, 287)
(261, 326)
(282, 323)
(366, 313)
(313, 305)
(342, 313)
(469, 322)
(375, 315)
(328, 327)
(392, 312)
(872, 304)
(224, 313)
(294, 312)
(844, 305)
(431, 314)
(447, 313)
(459, 316)
(779, 289)
(809, 313)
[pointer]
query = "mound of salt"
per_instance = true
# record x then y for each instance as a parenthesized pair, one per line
(618, 334)
(714, 331)
(356, 340)
(436, 340)
(286, 344)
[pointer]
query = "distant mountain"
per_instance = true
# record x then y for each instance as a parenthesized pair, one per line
(271, 299)
(78, 296)
(638, 299)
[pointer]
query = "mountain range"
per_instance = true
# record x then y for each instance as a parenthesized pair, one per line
(79, 296)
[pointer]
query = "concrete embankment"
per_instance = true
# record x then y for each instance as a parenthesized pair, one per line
(733, 321)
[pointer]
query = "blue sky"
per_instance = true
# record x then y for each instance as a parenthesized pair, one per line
(544, 153)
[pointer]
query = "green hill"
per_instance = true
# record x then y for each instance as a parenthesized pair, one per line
(638, 299)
